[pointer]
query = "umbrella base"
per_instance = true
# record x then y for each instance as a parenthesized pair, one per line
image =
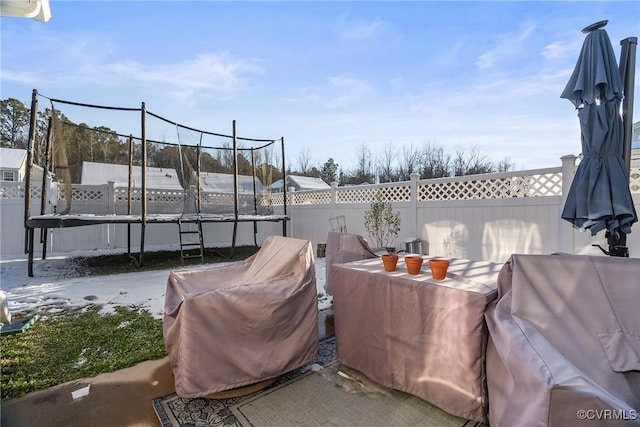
(617, 244)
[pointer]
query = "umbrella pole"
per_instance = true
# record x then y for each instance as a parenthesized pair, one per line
(618, 243)
(628, 74)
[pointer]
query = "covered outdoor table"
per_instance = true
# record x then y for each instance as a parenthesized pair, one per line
(246, 322)
(416, 334)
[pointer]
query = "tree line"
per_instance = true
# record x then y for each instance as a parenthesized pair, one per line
(394, 165)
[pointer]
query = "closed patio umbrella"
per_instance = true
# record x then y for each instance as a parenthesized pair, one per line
(599, 197)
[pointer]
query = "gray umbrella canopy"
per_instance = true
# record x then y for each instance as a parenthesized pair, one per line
(599, 197)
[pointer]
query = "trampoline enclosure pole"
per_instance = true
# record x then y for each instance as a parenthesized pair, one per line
(130, 194)
(45, 186)
(235, 172)
(28, 177)
(143, 195)
(284, 188)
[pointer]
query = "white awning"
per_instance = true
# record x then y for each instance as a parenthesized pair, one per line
(39, 10)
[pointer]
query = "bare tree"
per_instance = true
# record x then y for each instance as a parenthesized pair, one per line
(410, 162)
(471, 163)
(385, 167)
(505, 165)
(434, 163)
(303, 161)
(364, 168)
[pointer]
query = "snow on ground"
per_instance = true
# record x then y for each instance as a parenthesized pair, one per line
(47, 292)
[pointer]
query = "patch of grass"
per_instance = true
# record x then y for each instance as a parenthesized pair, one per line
(76, 344)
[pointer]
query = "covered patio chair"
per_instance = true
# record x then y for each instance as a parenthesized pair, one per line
(343, 248)
(235, 325)
(564, 346)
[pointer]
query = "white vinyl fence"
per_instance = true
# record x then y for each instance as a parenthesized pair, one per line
(480, 217)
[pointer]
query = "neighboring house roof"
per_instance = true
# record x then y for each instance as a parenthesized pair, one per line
(302, 183)
(223, 183)
(100, 173)
(12, 158)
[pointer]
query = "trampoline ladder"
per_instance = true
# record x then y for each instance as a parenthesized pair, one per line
(188, 248)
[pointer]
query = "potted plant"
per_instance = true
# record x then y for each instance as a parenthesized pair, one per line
(382, 224)
(390, 261)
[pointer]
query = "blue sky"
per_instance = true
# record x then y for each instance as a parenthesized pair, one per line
(327, 76)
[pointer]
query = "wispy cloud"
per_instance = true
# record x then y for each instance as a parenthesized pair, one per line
(559, 49)
(507, 45)
(21, 77)
(360, 30)
(207, 74)
(334, 93)
(450, 56)
(349, 90)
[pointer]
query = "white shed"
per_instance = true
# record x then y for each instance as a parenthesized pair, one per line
(100, 173)
(301, 183)
(223, 183)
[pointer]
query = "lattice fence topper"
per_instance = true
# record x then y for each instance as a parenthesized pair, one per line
(121, 195)
(459, 188)
(548, 184)
(218, 199)
(322, 197)
(370, 194)
(83, 192)
(12, 192)
(277, 199)
(164, 196)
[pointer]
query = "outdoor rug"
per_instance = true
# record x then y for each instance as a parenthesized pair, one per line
(323, 392)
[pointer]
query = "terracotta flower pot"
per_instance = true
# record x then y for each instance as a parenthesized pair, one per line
(438, 268)
(414, 263)
(390, 261)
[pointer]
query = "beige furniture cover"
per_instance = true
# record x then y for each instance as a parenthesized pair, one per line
(234, 325)
(416, 334)
(341, 248)
(565, 339)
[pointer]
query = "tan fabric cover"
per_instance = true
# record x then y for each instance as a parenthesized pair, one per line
(343, 248)
(415, 334)
(565, 337)
(226, 327)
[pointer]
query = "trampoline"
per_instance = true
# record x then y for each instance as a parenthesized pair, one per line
(93, 174)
